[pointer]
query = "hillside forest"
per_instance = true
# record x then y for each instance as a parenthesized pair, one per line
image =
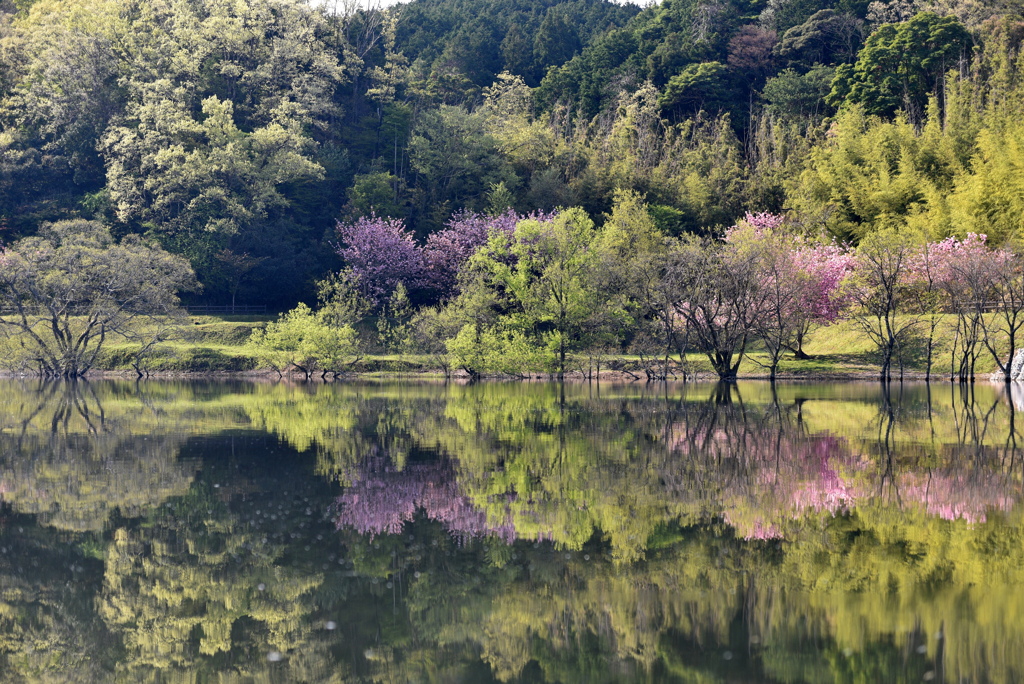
(389, 161)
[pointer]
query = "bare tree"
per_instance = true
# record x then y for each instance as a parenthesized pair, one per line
(968, 281)
(884, 294)
(781, 286)
(1002, 328)
(720, 297)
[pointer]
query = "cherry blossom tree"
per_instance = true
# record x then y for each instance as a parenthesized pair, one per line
(781, 284)
(381, 253)
(962, 271)
(1003, 327)
(825, 267)
(799, 282)
(447, 250)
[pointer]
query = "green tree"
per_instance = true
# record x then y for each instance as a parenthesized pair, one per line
(990, 198)
(302, 339)
(196, 182)
(799, 96)
(323, 341)
(528, 142)
(827, 37)
(394, 331)
(633, 253)
(556, 41)
(72, 288)
(61, 67)
(375, 193)
(540, 282)
(698, 88)
(218, 128)
(902, 64)
(869, 173)
(456, 161)
(701, 171)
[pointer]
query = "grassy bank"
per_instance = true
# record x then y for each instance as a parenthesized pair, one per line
(217, 344)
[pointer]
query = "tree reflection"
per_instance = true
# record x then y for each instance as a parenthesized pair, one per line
(66, 458)
(49, 630)
(380, 499)
(193, 580)
(885, 534)
(510, 532)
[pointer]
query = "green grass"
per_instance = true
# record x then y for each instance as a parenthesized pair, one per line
(849, 345)
(844, 349)
(207, 344)
(217, 344)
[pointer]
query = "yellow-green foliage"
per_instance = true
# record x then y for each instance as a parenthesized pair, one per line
(957, 172)
(154, 578)
(305, 339)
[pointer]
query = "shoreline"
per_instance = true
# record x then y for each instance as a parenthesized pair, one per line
(463, 377)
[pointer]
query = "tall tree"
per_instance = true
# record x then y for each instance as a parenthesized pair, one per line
(222, 103)
(545, 273)
(902, 64)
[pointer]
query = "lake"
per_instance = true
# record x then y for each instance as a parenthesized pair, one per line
(515, 532)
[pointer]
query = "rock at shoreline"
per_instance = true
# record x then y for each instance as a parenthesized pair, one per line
(1017, 367)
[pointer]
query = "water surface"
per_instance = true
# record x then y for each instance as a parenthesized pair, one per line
(423, 532)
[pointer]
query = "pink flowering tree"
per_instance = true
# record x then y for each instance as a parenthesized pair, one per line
(730, 293)
(381, 253)
(825, 267)
(898, 283)
(984, 287)
(799, 283)
(960, 275)
(763, 222)
(448, 250)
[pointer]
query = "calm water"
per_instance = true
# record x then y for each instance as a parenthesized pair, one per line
(235, 532)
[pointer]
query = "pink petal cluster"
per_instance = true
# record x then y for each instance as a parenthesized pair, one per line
(954, 496)
(447, 250)
(826, 266)
(762, 222)
(938, 261)
(382, 253)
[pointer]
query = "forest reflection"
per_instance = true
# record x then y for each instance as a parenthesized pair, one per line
(511, 532)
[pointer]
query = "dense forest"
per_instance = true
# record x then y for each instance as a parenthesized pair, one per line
(509, 185)
(238, 134)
